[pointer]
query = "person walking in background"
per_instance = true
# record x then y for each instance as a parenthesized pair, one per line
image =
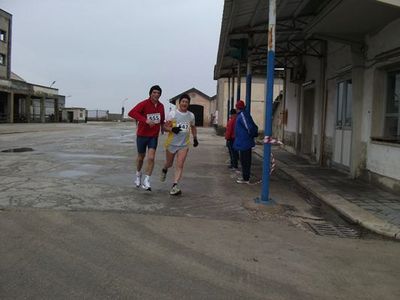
(230, 139)
(179, 123)
(150, 116)
(245, 132)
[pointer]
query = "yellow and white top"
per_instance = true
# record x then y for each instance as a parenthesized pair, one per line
(183, 120)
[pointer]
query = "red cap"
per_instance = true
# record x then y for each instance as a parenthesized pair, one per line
(240, 105)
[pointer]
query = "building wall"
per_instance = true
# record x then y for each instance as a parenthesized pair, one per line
(257, 98)
(5, 25)
(381, 160)
(79, 115)
(206, 103)
(222, 97)
(339, 64)
(383, 55)
(295, 106)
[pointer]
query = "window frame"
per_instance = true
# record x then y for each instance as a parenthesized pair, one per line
(3, 34)
(387, 114)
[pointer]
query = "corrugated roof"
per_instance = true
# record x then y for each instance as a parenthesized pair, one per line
(300, 25)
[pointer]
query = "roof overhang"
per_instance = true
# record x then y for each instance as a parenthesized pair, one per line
(301, 25)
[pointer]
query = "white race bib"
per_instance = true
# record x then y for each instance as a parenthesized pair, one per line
(184, 126)
(156, 118)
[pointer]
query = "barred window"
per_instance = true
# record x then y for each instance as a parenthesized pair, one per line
(392, 112)
(2, 59)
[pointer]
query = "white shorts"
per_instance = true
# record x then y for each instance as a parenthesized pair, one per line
(173, 149)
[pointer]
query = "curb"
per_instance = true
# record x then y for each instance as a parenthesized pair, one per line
(349, 210)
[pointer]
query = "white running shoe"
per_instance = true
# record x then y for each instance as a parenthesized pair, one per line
(138, 179)
(146, 183)
(241, 180)
(175, 190)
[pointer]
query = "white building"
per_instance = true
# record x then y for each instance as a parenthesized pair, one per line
(341, 96)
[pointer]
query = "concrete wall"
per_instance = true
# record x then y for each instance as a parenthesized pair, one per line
(368, 72)
(221, 98)
(257, 98)
(79, 114)
(5, 21)
(383, 55)
(295, 107)
(206, 103)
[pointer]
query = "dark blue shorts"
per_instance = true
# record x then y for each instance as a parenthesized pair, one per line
(144, 142)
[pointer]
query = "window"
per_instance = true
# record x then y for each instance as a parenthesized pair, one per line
(392, 111)
(344, 104)
(2, 35)
(2, 59)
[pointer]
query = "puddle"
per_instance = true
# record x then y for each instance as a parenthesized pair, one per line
(17, 150)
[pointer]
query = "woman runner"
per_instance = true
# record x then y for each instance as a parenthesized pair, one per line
(179, 123)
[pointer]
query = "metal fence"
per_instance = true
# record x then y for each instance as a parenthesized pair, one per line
(97, 115)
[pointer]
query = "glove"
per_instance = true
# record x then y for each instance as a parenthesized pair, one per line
(176, 130)
(195, 142)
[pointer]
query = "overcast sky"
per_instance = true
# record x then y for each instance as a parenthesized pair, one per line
(101, 52)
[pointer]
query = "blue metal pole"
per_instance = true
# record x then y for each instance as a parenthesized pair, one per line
(268, 101)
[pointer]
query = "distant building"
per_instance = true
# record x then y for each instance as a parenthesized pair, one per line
(73, 114)
(201, 105)
(21, 101)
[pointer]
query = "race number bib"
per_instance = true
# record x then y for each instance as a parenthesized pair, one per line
(156, 118)
(184, 126)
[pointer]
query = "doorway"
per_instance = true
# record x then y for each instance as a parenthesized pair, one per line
(70, 116)
(198, 112)
(307, 122)
(343, 129)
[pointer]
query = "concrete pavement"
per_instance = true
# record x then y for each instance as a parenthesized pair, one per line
(364, 204)
(72, 225)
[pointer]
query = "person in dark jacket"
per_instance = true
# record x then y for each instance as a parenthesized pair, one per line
(245, 132)
(230, 139)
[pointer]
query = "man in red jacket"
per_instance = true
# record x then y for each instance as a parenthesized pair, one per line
(150, 116)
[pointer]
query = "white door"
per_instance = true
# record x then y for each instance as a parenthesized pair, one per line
(343, 130)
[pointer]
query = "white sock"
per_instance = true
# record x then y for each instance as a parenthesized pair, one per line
(138, 173)
(147, 177)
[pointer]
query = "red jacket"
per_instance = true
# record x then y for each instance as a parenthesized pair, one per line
(230, 128)
(147, 110)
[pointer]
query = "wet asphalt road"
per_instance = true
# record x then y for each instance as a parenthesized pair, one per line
(72, 225)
